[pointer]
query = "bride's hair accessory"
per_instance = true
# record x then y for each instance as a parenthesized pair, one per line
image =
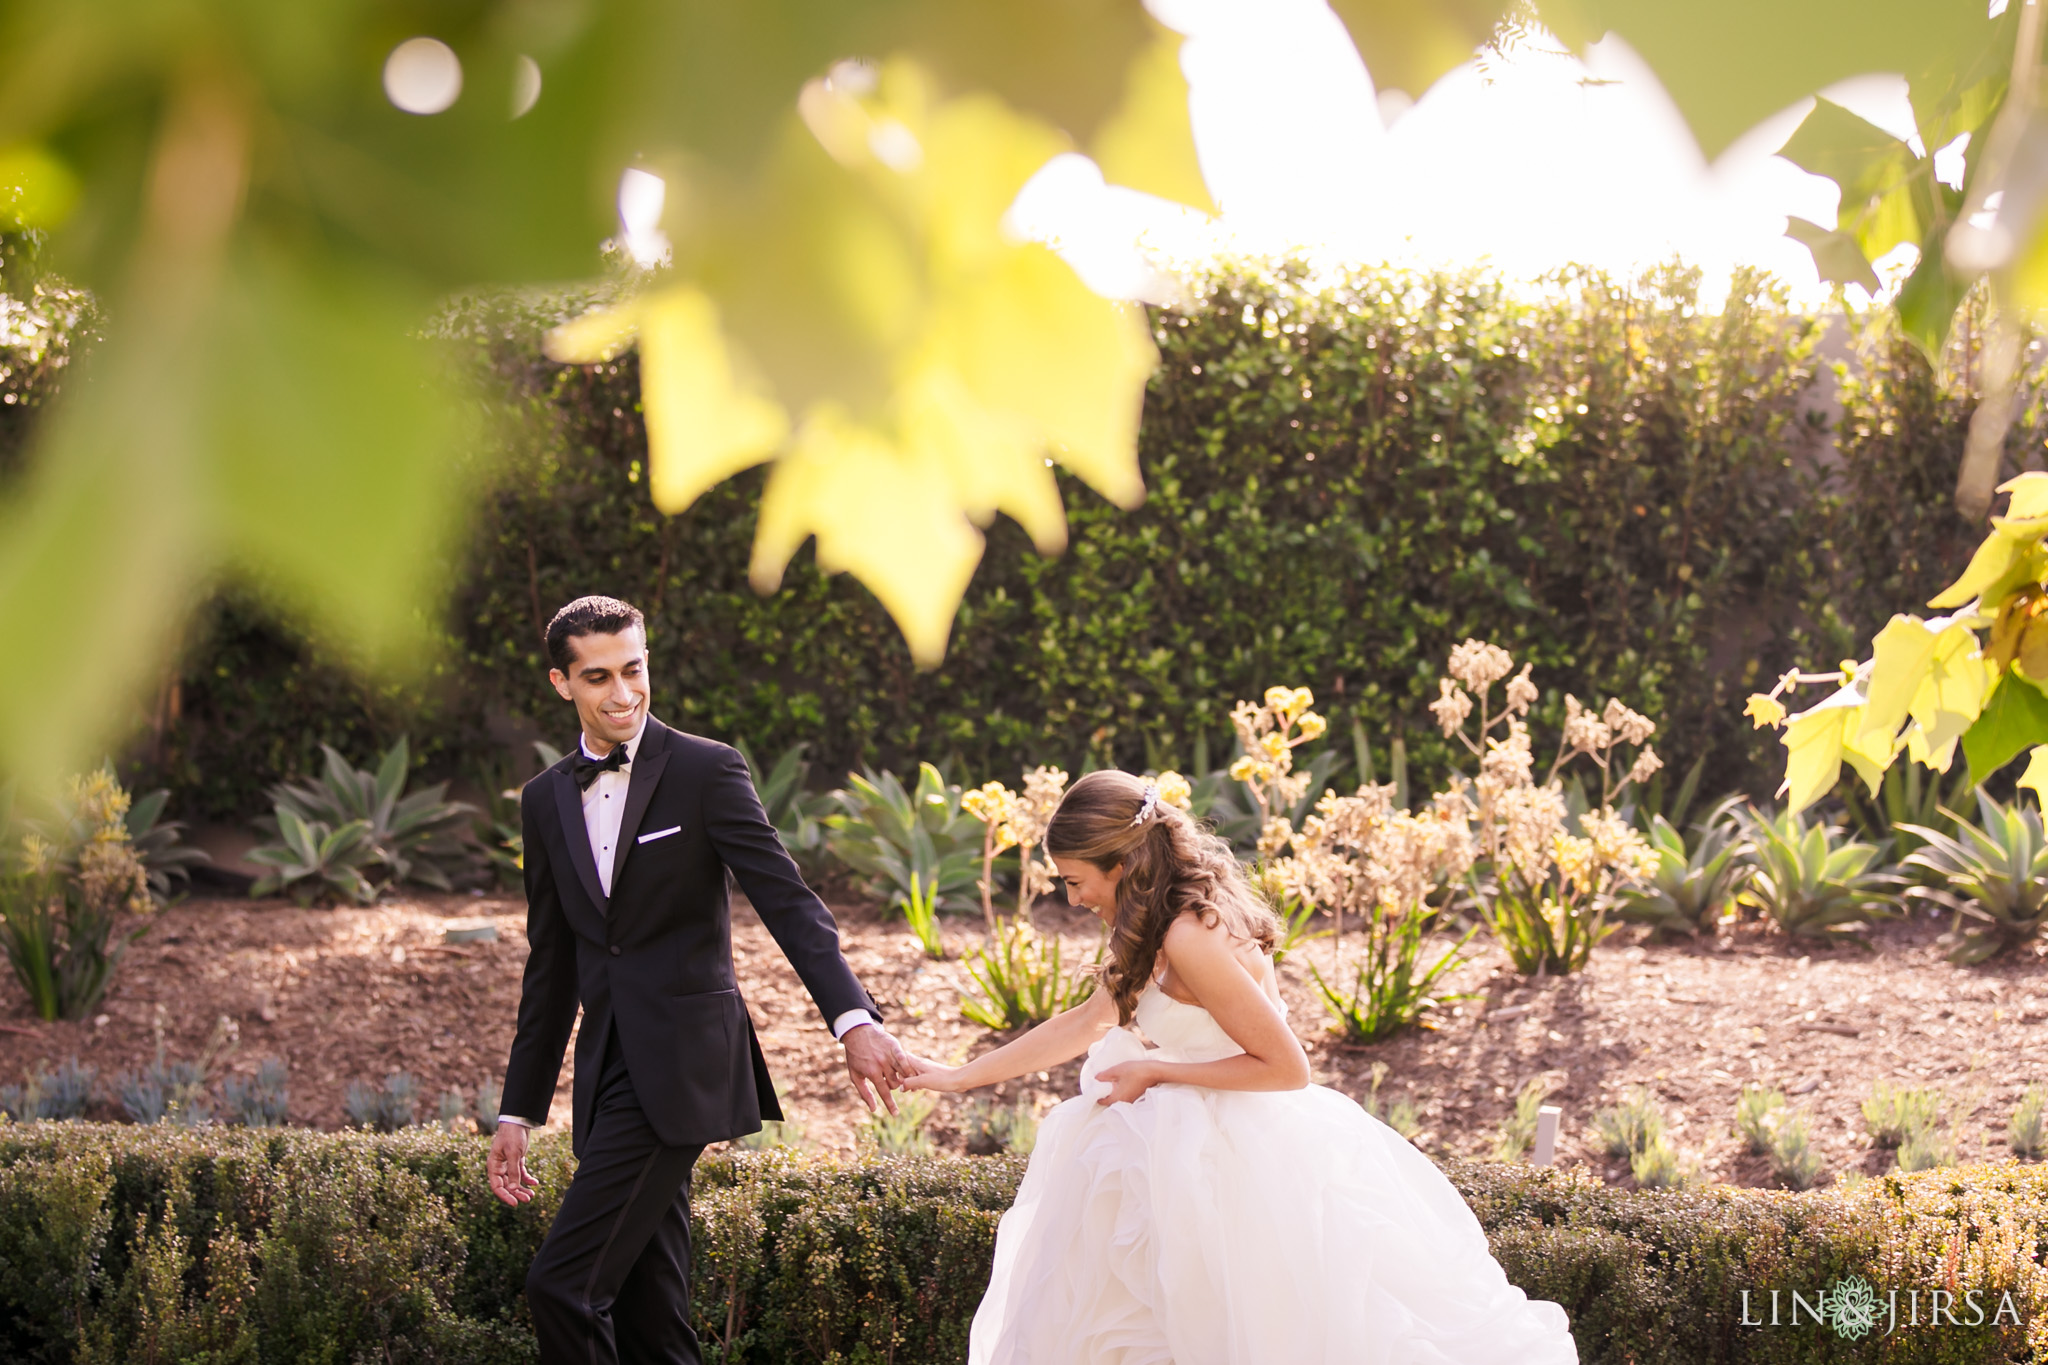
(1173, 866)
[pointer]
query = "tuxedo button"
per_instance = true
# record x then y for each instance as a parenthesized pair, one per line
(615, 950)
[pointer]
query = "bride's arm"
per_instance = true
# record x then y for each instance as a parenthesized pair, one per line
(1205, 962)
(1059, 1039)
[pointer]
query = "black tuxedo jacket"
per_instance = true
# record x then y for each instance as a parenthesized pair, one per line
(654, 959)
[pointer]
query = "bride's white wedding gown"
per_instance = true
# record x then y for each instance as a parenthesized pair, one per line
(1223, 1227)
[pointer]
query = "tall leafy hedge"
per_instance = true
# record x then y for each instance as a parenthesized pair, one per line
(160, 1244)
(1347, 475)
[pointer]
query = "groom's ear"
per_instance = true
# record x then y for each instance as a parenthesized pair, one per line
(561, 682)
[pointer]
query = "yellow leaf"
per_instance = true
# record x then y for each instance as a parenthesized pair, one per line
(1951, 694)
(2036, 776)
(2003, 552)
(878, 513)
(702, 425)
(940, 418)
(36, 189)
(1149, 143)
(1814, 745)
(930, 363)
(1903, 651)
(595, 337)
(1029, 339)
(1767, 711)
(2029, 495)
(1868, 752)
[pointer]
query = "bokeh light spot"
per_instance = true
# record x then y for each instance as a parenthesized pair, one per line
(423, 76)
(525, 84)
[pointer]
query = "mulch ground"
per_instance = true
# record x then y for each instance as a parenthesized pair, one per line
(353, 994)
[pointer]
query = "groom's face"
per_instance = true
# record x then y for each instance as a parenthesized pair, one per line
(607, 679)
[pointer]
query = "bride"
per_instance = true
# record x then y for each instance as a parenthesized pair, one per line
(1200, 1202)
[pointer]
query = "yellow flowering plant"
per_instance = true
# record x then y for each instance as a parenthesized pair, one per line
(1546, 888)
(1269, 734)
(63, 903)
(1015, 820)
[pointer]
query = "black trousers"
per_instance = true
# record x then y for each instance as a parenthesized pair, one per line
(611, 1283)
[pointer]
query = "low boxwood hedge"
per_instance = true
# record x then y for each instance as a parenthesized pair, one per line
(159, 1244)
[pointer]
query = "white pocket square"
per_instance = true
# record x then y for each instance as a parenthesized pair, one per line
(659, 834)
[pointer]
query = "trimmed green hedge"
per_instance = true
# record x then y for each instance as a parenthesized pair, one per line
(126, 1244)
(1346, 477)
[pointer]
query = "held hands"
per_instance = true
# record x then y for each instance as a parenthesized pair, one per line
(875, 1058)
(928, 1075)
(507, 1165)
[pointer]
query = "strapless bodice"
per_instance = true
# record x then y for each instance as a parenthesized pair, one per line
(1182, 1032)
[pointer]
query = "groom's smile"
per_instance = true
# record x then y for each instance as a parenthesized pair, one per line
(607, 679)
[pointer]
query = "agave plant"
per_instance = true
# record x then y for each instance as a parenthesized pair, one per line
(418, 838)
(316, 862)
(1911, 800)
(797, 814)
(1810, 881)
(1694, 884)
(166, 857)
(1994, 875)
(890, 836)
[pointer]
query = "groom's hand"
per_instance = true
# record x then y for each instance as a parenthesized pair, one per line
(873, 1057)
(507, 1166)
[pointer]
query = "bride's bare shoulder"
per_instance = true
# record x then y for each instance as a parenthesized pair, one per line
(1194, 931)
(1195, 926)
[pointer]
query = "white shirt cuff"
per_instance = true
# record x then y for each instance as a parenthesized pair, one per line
(849, 1021)
(523, 1123)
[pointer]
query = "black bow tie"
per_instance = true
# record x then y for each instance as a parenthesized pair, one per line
(585, 768)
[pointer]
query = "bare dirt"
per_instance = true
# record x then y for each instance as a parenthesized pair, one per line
(353, 994)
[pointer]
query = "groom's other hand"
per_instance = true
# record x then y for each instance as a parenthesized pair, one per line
(507, 1166)
(873, 1057)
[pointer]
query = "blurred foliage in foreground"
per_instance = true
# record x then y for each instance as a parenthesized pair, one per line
(268, 200)
(1689, 533)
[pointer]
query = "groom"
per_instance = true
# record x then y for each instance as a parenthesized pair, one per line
(627, 843)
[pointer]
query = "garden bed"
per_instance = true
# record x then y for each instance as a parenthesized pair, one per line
(351, 994)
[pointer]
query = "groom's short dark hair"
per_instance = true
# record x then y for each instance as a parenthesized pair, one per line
(594, 615)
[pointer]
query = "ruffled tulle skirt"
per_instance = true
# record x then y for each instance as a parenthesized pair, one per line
(1210, 1227)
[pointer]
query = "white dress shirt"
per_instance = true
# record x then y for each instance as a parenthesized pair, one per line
(604, 805)
(604, 813)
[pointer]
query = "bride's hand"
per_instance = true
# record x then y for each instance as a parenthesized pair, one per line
(1127, 1081)
(929, 1075)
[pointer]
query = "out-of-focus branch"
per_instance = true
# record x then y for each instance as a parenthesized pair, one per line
(1986, 237)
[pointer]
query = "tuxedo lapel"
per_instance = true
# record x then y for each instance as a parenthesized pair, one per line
(577, 835)
(642, 774)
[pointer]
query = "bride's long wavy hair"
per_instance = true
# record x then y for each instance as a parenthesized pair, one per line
(1171, 865)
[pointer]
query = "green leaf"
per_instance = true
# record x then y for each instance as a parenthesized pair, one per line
(2014, 719)
(1408, 46)
(1836, 256)
(1862, 158)
(1928, 300)
(1732, 64)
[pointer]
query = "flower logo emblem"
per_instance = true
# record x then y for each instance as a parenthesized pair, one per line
(1851, 1307)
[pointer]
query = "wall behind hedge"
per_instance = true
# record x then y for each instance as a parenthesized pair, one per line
(1346, 477)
